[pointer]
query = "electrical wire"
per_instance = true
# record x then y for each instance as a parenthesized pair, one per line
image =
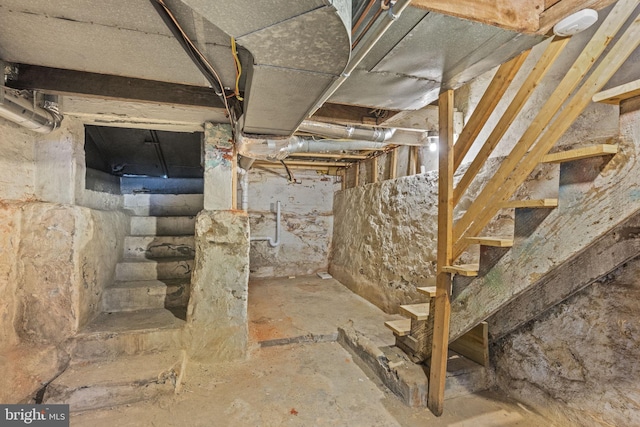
(291, 179)
(234, 52)
(196, 56)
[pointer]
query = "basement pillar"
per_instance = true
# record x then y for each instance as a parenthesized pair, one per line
(217, 313)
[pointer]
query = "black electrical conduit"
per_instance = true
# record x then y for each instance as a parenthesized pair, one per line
(195, 55)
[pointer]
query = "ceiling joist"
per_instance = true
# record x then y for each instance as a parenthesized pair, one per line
(59, 81)
(525, 16)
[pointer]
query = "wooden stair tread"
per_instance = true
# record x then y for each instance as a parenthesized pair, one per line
(537, 203)
(619, 93)
(416, 311)
(401, 327)
(581, 153)
(428, 290)
(468, 270)
(497, 242)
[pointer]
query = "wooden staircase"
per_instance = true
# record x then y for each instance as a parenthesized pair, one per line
(467, 294)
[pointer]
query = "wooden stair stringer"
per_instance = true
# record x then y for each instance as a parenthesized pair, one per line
(567, 231)
(615, 248)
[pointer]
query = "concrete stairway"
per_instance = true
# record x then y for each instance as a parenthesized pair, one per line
(133, 349)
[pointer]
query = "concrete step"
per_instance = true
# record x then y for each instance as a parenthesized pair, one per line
(145, 294)
(163, 225)
(153, 247)
(117, 382)
(164, 204)
(408, 380)
(161, 269)
(128, 333)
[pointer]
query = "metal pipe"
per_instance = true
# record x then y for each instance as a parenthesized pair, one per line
(346, 132)
(24, 113)
(365, 47)
(276, 242)
(279, 149)
(244, 187)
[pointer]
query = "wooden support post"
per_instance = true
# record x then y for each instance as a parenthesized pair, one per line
(374, 171)
(394, 164)
(413, 153)
(488, 201)
(440, 341)
(234, 181)
(489, 101)
(343, 175)
(551, 53)
(357, 172)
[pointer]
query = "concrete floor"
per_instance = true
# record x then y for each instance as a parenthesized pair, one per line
(297, 375)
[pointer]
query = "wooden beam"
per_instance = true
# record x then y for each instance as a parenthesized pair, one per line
(515, 15)
(474, 345)
(58, 81)
(618, 94)
(413, 153)
(442, 310)
(490, 99)
(343, 175)
(539, 203)
(330, 156)
(374, 169)
(488, 204)
(267, 165)
(312, 163)
(393, 173)
(357, 171)
(352, 114)
(561, 9)
(497, 242)
(400, 327)
(548, 57)
(466, 270)
(581, 153)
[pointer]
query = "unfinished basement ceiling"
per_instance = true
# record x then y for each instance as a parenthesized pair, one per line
(140, 152)
(290, 51)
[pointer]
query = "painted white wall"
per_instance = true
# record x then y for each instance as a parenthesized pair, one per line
(307, 221)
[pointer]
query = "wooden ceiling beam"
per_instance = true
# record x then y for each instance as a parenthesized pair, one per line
(516, 15)
(561, 9)
(525, 16)
(59, 81)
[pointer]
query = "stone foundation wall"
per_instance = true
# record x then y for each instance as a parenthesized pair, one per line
(306, 225)
(55, 260)
(578, 363)
(384, 238)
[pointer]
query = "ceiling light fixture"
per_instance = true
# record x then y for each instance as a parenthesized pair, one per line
(433, 138)
(576, 23)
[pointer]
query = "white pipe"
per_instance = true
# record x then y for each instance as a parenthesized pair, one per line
(244, 187)
(276, 242)
(24, 113)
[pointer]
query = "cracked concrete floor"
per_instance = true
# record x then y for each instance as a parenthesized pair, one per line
(301, 384)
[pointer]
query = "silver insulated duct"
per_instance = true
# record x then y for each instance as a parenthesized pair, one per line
(299, 48)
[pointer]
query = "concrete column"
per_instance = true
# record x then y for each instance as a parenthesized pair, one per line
(59, 163)
(217, 313)
(218, 167)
